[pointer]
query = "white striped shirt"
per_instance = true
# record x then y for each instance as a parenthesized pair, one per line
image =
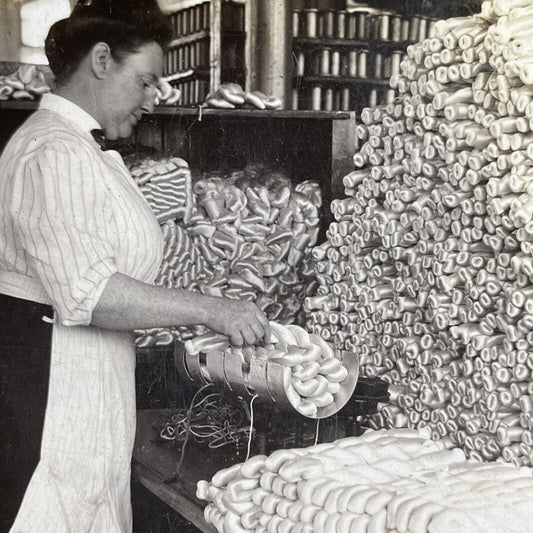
(70, 214)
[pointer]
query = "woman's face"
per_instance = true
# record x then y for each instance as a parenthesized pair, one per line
(129, 90)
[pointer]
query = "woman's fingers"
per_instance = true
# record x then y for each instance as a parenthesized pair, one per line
(265, 325)
(249, 336)
(237, 339)
(258, 331)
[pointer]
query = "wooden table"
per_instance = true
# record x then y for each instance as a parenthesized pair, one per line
(154, 463)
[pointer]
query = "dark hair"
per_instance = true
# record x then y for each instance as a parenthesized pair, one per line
(124, 25)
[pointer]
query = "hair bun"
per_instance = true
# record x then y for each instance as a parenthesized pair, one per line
(56, 45)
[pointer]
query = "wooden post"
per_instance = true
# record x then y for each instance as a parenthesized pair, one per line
(343, 145)
(251, 45)
(215, 52)
(273, 47)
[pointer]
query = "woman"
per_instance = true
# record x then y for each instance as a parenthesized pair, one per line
(77, 236)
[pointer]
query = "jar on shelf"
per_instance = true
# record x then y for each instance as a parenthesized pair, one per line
(422, 29)
(335, 63)
(378, 66)
(316, 98)
(406, 28)
(300, 63)
(296, 22)
(387, 67)
(414, 28)
(324, 62)
(340, 27)
(396, 59)
(396, 28)
(353, 59)
(361, 33)
(295, 97)
(351, 25)
(383, 26)
(373, 98)
(345, 99)
(328, 20)
(311, 23)
(328, 99)
(362, 60)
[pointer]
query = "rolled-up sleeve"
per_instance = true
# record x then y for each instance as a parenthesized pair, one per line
(59, 214)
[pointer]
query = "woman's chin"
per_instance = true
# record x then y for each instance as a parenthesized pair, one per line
(123, 131)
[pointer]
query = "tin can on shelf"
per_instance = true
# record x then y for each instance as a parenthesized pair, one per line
(396, 28)
(383, 29)
(351, 25)
(177, 24)
(406, 28)
(431, 26)
(396, 59)
(294, 99)
(329, 19)
(335, 63)
(422, 29)
(373, 98)
(199, 18)
(185, 22)
(345, 99)
(193, 60)
(296, 23)
(414, 26)
(361, 25)
(386, 67)
(352, 63)
(192, 20)
(316, 98)
(362, 59)
(206, 16)
(340, 28)
(300, 63)
(325, 62)
(378, 66)
(328, 99)
(311, 22)
(390, 95)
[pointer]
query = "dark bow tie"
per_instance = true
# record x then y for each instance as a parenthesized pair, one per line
(99, 137)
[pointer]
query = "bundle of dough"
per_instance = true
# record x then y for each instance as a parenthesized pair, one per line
(167, 94)
(166, 185)
(25, 83)
(313, 372)
(384, 481)
(245, 235)
(427, 271)
(232, 95)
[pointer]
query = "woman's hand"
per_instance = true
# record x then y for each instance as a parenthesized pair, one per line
(242, 321)
(129, 304)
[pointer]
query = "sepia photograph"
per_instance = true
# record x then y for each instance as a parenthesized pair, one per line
(266, 266)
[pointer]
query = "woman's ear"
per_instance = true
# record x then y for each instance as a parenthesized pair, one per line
(101, 59)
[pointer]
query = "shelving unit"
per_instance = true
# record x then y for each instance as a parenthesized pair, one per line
(343, 59)
(210, 46)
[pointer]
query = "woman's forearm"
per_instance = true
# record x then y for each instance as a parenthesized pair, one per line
(128, 304)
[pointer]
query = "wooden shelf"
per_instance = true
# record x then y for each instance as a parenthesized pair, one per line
(254, 113)
(26, 105)
(320, 42)
(22, 105)
(188, 39)
(343, 80)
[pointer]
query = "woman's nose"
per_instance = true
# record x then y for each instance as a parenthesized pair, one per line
(149, 101)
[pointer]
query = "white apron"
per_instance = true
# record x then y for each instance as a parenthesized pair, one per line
(82, 482)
